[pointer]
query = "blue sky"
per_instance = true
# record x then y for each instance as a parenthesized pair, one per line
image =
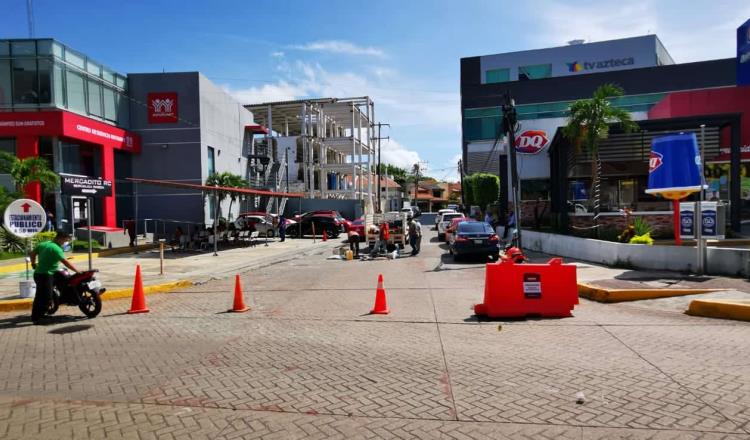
(405, 54)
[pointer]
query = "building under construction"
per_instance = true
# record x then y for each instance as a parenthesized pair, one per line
(322, 148)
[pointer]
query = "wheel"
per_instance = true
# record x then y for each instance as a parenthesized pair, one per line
(270, 233)
(54, 303)
(91, 304)
(333, 233)
(457, 257)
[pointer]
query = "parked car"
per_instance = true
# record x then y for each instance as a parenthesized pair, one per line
(341, 222)
(320, 223)
(441, 212)
(258, 223)
(358, 226)
(411, 212)
(475, 239)
(450, 231)
(445, 222)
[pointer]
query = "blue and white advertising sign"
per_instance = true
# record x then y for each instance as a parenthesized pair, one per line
(743, 54)
(687, 220)
(674, 166)
(710, 219)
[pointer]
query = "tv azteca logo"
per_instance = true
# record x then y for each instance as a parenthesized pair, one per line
(575, 66)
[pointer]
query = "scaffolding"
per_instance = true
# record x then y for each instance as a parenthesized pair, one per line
(328, 142)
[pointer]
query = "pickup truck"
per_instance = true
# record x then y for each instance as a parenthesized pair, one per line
(397, 227)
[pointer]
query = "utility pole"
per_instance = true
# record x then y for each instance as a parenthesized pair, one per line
(509, 127)
(461, 177)
(416, 182)
(30, 17)
(286, 160)
(380, 171)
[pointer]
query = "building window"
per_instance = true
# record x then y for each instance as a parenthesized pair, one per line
(5, 89)
(95, 98)
(45, 80)
(25, 81)
(76, 91)
(110, 104)
(533, 189)
(123, 110)
(537, 71)
(23, 48)
(437, 193)
(210, 161)
(496, 76)
(58, 82)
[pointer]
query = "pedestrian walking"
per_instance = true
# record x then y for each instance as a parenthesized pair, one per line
(130, 230)
(415, 236)
(50, 226)
(487, 217)
(510, 224)
(282, 228)
(50, 254)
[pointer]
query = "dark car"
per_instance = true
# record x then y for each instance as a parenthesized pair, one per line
(344, 223)
(475, 239)
(320, 223)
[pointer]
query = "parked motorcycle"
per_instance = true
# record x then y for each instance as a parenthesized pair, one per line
(81, 289)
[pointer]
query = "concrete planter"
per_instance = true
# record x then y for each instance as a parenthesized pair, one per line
(720, 261)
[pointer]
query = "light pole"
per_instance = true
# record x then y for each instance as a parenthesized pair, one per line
(509, 126)
(698, 225)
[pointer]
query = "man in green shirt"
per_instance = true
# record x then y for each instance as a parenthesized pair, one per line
(50, 255)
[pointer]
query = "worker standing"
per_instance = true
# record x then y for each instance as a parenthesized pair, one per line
(415, 236)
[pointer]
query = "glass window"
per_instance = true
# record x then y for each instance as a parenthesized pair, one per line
(23, 48)
(210, 161)
(44, 47)
(470, 227)
(75, 91)
(497, 76)
(45, 81)
(533, 189)
(93, 68)
(4, 48)
(25, 82)
(110, 104)
(57, 49)
(108, 76)
(123, 110)
(537, 71)
(5, 91)
(120, 81)
(74, 59)
(58, 83)
(95, 98)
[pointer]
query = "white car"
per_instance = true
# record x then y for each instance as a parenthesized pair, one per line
(256, 223)
(441, 212)
(445, 222)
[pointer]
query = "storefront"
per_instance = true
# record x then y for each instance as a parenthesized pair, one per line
(72, 144)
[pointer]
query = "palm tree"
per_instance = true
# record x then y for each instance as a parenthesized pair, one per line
(589, 123)
(234, 181)
(226, 180)
(28, 170)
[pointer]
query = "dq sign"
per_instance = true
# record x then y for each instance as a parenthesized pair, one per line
(531, 141)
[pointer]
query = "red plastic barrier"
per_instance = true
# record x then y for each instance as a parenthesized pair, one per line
(518, 290)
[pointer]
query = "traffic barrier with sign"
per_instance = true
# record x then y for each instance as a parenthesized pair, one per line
(517, 290)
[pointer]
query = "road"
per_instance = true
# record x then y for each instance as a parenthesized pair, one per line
(309, 362)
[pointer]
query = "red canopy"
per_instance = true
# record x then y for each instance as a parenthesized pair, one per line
(245, 191)
(256, 128)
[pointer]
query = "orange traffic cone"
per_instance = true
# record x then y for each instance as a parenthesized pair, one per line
(381, 307)
(138, 305)
(325, 235)
(239, 302)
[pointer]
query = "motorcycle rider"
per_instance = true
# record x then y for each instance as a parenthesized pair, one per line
(50, 255)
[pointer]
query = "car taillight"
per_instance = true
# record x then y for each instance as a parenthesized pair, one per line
(460, 238)
(493, 238)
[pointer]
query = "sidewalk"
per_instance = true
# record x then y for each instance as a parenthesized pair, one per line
(117, 271)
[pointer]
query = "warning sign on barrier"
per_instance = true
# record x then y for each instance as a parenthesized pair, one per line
(532, 285)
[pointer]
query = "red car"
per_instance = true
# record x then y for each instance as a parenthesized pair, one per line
(340, 221)
(358, 226)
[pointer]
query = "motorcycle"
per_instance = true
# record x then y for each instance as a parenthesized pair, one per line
(513, 253)
(81, 289)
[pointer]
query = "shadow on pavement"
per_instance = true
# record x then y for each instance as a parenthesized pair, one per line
(70, 329)
(25, 320)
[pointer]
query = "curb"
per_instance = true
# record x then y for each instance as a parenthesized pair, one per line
(603, 295)
(720, 308)
(20, 267)
(25, 303)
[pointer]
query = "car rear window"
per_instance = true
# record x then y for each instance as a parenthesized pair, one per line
(474, 228)
(448, 217)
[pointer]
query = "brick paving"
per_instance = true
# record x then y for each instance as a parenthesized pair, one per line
(308, 362)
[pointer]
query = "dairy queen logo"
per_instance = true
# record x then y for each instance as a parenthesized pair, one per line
(531, 141)
(654, 161)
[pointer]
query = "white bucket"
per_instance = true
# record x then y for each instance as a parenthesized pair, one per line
(27, 288)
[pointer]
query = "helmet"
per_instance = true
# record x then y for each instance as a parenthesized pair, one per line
(515, 254)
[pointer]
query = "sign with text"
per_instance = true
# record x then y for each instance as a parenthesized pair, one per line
(743, 54)
(24, 218)
(76, 185)
(162, 108)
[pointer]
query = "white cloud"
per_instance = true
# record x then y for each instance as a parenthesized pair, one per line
(339, 46)
(277, 54)
(281, 91)
(391, 152)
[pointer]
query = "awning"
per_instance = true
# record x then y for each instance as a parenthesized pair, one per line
(257, 128)
(207, 188)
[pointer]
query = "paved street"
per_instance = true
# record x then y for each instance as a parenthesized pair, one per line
(309, 362)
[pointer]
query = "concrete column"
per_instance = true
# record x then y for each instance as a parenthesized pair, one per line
(109, 208)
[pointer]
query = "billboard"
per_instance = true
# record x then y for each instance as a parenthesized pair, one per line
(743, 54)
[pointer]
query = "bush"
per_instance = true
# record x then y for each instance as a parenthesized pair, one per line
(627, 234)
(83, 245)
(42, 236)
(642, 239)
(641, 226)
(10, 243)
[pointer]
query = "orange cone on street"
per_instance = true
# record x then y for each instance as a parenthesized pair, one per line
(239, 302)
(325, 235)
(381, 307)
(138, 305)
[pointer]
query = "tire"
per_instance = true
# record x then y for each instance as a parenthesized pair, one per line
(91, 304)
(457, 258)
(54, 303)
(270, 233)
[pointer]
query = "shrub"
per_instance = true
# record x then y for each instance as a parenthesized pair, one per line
(42, 236)
(642, 239)
(626, 235)
(641, 226)
(83, 245)
(10, 243)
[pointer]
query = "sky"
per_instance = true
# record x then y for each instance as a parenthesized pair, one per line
(404, 54)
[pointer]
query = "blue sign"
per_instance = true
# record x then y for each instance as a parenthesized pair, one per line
(579, 190)
(686, 223)
(709, 222)
(743, 54)
(674, 166)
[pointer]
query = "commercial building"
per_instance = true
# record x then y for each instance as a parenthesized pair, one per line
(660, 95)
(87, 119)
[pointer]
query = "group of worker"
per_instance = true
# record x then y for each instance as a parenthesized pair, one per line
(384, 236)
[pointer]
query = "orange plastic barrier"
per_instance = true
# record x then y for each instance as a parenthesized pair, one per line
(518, 290)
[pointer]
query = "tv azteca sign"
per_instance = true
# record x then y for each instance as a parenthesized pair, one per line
(575, 66)
(162, 107)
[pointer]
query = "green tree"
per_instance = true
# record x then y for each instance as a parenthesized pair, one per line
(589, 123)
(225, 180)
(28, 170)
(483, 188)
